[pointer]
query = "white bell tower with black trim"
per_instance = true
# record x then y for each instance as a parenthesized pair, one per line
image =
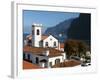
(36, 35)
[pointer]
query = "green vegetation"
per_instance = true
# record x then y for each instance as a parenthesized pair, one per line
(78, 49)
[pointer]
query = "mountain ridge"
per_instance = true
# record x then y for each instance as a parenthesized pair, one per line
(60, 28)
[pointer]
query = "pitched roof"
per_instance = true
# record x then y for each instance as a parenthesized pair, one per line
(39, 51)
(44, 37)
(29, 37)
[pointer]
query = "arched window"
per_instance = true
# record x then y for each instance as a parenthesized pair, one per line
(55, 44)
(38, 32)
(46, 44)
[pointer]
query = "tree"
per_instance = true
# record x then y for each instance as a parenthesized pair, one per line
(71, 48)
(82, 48)
(75, 48)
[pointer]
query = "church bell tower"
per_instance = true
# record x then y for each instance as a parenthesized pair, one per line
(36, 35)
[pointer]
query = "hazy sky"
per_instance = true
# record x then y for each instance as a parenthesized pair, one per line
(46, 18)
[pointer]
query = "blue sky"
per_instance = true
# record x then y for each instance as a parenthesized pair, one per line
(46, 18)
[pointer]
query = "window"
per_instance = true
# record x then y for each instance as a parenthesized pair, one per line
(54, 44)
(38, 32)
(23, 55)
(28, 56)
(46, 44)
(50, 39)
(37, 60)
(57, 61)
(50, 64)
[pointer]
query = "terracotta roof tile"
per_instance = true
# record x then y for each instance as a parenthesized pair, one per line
(28, 65)
(39, 51)
(70, 63)
(44, 37)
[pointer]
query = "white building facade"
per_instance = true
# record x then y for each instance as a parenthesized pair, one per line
(50, 42)
(44, 52)
(43, 59)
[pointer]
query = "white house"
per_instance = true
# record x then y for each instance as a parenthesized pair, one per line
(44, 57)
(50, 41)
(44, 51)
(38, 40)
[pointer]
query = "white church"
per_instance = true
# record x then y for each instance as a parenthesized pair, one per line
(43, 50)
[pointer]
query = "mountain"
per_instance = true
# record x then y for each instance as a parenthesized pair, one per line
(80, 28)
(60, 30)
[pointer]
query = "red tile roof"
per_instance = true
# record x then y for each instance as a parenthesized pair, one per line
(44, 37)
(70, 63)
(39, 51)
(28, 65)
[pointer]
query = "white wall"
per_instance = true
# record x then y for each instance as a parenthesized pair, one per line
(50, 42)
(40, 58)
(5, 41)
(64, 56)
(54, 58)
(33, 57)
(36, 38)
